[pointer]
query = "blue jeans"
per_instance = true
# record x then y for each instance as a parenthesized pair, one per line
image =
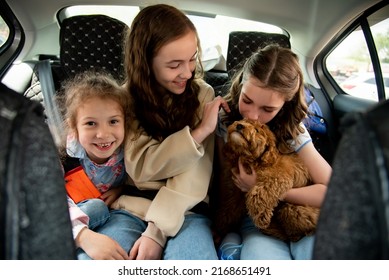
(96, 210)
(193, 242)
(258, 246)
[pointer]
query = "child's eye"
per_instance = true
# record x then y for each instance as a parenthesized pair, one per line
(114, 121)
(90, 123)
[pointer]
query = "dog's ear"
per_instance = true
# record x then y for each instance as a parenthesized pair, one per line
(270, 153)
(269, 156)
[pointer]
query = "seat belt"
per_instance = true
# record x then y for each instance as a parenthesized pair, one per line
(54, 117)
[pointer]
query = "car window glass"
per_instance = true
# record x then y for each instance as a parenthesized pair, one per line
(219, 27)
(350, 63)
(380, 33)
(350, 66)
(4, 32)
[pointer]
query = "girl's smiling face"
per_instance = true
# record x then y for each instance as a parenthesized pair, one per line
(175, 62)
(100, 128)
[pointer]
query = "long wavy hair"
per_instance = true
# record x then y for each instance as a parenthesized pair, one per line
(158, 111)
(277, 68)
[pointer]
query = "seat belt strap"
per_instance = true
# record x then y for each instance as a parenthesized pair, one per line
(54, 118)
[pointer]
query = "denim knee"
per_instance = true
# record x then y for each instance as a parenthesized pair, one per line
(303, 249)
(194, 241)
(96, 210)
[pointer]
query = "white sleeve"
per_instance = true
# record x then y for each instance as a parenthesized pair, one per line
(78, 218)
(301, 140)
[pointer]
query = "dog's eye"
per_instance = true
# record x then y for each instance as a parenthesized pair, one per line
(256, 129)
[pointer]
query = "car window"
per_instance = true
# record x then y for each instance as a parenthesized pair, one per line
(350, 63)
(4, 31)
(371, 81)
(386, 82)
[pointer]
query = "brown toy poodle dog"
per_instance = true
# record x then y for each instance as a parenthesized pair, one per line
(255, 145)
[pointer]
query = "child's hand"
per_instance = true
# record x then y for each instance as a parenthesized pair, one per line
(209, 119)
(242, 179)
(110, 196)
(99, 246)
(146, 248)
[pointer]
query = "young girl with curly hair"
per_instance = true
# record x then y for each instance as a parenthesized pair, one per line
(96, 119)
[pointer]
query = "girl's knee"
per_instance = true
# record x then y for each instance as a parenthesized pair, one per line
(303, 249)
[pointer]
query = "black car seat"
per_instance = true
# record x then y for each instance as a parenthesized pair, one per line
(34, 217)
(86, 42)
(241, 45)
(354, 217)
(92, 41)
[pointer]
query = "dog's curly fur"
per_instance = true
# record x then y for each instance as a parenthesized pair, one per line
(255, 145)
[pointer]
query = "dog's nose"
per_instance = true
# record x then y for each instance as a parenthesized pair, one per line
(239, 127)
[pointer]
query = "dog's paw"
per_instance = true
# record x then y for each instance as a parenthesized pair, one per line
(260, 206)
(262, 220)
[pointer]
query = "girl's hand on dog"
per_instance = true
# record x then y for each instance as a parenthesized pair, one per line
(242, 179)
(209, 119)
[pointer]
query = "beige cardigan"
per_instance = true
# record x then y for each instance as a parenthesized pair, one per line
(178, 167)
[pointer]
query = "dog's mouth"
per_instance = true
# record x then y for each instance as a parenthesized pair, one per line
(237, 136)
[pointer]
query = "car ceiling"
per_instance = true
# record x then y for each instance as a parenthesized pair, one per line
(311, 22)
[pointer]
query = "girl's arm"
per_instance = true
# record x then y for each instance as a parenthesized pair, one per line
(78, 218)
(312, 195)
(177, 153)
(209, 119)
(320, 172)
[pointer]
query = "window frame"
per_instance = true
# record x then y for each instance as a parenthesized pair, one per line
(12, 47)
(322, 73)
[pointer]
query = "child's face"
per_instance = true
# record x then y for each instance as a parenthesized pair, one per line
(174, 63)
(100, 127)
(258, 103)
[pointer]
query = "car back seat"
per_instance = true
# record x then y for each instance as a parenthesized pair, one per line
(86, 42)
(354, 217)
(92, 41)
(216, 78)
(242, 44)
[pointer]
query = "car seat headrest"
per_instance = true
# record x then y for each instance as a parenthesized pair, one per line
(242, 44)
(92, 41)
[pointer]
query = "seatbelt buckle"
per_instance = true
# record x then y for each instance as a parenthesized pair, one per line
(78, 185)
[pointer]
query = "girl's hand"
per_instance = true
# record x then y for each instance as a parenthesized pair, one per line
(209, 119)
(242, 179)
(146, 248)
(99, 246)
(110, 196)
